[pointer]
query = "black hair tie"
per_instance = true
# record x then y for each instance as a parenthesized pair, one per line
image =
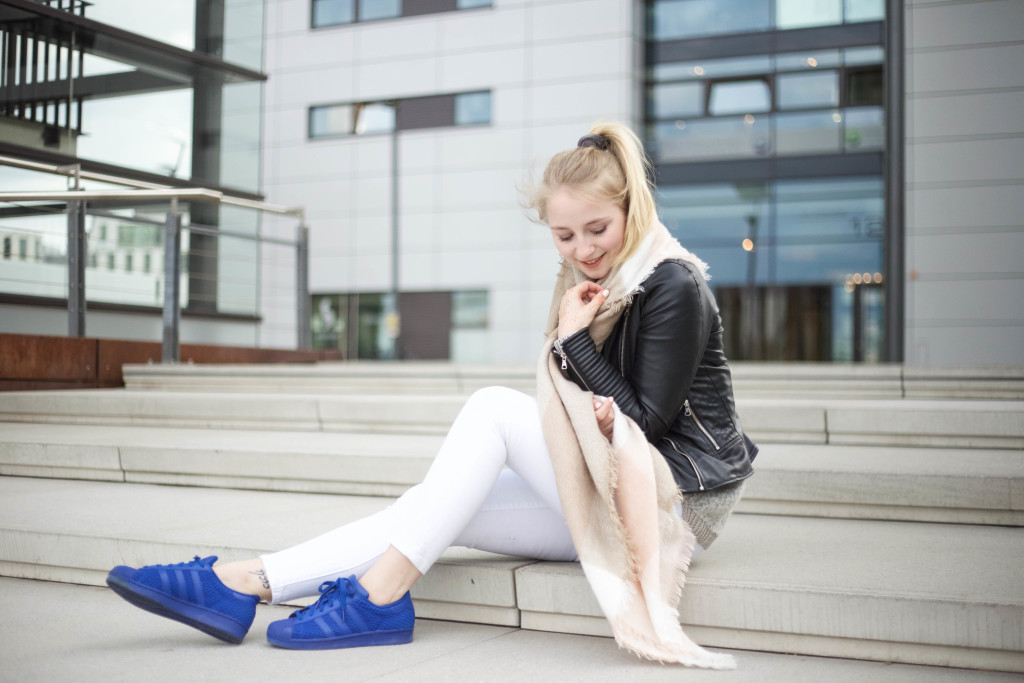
(594, 140)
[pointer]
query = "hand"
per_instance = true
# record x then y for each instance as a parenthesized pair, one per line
(605, 414)
(579, 306)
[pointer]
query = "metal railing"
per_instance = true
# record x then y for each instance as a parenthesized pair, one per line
(77, 200)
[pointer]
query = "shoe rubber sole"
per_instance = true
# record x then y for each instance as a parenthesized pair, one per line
(206, 620)
(354, 640)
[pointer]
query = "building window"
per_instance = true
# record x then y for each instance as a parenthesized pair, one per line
(811, 102)
(864, 87)
(128, 263)
(147, 263)
(470, 310)
(368, 118)
(341, 12)
(23, 249)
(110, 261)
(7, 247)
(473, 108)
(739, 97)
(685, 19)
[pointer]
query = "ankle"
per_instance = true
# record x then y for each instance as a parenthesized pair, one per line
(243, 578)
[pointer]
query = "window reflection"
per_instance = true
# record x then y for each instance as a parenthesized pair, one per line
(331, 12)
(150, 132)
(809, 103)
(803, 13)
(473, 108)
(738, 97)
(799, 91)
(864, 10)
(788, 297)
(379, 9)
(676, 99)
(684, 19)
(674, 19)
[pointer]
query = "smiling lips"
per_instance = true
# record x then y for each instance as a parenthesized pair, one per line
(591, 264)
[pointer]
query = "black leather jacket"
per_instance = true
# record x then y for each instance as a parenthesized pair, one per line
(665, 366)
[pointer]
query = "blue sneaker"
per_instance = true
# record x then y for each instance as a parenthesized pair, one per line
(343, 616)
(189, 592)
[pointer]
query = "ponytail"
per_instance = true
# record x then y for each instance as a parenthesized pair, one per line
(609, 164)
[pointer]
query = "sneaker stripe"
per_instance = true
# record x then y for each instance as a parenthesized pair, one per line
(319, 621)
(165, 581)
(355, 620)
(336, 617)
(198, 586)
(180, 576)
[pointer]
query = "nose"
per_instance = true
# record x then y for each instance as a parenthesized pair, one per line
(585, 251)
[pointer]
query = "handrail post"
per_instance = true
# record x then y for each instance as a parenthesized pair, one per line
(171, 350)
(303, 305)
(76, 268)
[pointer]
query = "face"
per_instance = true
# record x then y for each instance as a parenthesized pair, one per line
(588, 233)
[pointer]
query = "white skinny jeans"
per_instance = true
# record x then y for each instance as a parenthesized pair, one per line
(467, 499)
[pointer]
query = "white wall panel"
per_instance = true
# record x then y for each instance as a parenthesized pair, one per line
(973, 114)
(388, 40)
(418, 231)
(288, 17)
(972, 345)
(314, 86)
(969, 161)
(561, 21)
(580, 101)
(475, 147)
(594, 58)
(997, 66)
(402, 77)
(480, 230)
(483, 30)
(939, 255)
(320, 49)
(962, 209)
(419, 151)
(418, 192)
(967, 23)
(481, 189)
(481, 70)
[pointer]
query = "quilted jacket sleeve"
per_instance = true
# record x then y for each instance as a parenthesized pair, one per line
(666, 352)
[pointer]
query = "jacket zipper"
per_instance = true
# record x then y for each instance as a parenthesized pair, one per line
(622, 343)
(700, 480)
(566, 362)
(689, 413)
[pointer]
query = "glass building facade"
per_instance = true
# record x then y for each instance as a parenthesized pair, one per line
(166, 93)
(766, 121)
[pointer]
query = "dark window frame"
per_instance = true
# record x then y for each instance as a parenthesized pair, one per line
(432, 109)
(408, 8)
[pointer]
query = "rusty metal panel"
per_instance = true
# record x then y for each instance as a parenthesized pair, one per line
(48, 359)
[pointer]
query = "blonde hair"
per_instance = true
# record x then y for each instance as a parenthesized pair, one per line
(620, 174)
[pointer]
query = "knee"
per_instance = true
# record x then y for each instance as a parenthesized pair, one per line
(491, 398)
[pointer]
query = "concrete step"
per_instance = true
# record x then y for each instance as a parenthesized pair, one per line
(918, 593)
(972, 486)
(882, 422)
(750, 379)
(133, 645)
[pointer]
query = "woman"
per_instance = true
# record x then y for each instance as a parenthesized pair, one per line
(634, 406)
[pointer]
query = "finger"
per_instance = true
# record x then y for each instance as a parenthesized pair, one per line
(596, 300)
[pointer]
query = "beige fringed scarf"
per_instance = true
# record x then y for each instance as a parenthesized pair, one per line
(638, 595)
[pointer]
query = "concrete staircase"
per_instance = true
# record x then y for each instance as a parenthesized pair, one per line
(884, 521)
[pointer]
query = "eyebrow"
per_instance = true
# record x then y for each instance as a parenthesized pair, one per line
(585, 225)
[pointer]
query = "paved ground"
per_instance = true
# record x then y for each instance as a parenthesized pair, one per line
(58, 632)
